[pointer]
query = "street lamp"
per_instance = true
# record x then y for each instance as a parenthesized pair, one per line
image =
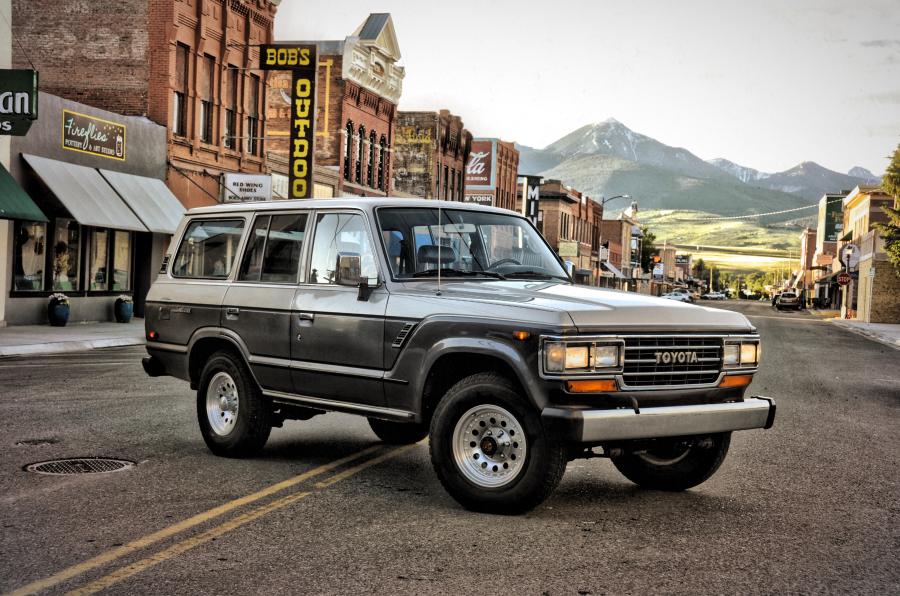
(604, 201)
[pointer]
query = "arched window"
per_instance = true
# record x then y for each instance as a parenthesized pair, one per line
(360, 154)
(348, 150)
(370, 167)
(382, 155)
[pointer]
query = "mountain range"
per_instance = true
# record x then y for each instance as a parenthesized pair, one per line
(608, 158)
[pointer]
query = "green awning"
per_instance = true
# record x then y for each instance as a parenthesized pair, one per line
(14, 203)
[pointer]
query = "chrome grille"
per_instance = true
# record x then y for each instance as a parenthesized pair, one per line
(682, 360)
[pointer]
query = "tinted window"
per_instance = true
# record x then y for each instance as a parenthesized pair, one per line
(273, 249)
(208, 248)
(340, 233)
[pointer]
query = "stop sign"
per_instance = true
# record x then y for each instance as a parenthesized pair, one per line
(843, 278)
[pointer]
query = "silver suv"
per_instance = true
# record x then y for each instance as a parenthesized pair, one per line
(450, 321)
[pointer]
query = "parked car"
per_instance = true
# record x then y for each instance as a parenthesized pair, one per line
(678, 296)
(713, 296)
(684, 292)
(788, 300)
(451, 321)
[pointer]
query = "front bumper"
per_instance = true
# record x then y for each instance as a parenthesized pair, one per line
(585, 425)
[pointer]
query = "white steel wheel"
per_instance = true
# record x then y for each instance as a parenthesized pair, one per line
(489, 446)
(222, 404)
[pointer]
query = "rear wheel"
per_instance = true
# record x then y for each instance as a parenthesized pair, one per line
(675, 464)
(398, 433)
(489, 449)
(235, 418)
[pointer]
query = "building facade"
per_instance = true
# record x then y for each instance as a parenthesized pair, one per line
(431, 151)
(805, 281)
(359, 85)
(188, 65)
(491, 173)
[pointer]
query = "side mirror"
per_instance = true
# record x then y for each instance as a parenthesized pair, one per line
(347, 269)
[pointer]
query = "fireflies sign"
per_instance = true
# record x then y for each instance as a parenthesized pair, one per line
(301, 60)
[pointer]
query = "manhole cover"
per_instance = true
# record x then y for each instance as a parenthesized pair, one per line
(83, 465)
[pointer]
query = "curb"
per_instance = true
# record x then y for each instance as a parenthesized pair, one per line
(65, 347)
(867, 334)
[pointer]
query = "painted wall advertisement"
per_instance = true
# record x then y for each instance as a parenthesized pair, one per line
(87, 134)
(834, 220)
(238, 188)
(18, 101)
(302, 61)
(480, 170)
(479, 199)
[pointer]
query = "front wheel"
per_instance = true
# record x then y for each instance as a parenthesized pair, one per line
(675, 464)
(489, 449)
(235, 418)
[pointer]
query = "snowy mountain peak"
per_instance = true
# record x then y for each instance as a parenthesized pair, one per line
(860, 172)
(742, 173)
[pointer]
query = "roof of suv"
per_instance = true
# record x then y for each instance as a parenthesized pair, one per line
(344, 202)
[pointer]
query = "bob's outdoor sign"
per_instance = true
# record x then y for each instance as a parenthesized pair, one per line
(18, 101)
(301, 60)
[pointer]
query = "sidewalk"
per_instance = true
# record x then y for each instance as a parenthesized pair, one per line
(886, 333)
(75, 337)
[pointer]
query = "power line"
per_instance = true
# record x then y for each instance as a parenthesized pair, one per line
(753, 215)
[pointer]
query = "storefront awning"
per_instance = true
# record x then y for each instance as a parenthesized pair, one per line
(85, 194)
(613, 269)
(14, 202)
(149, 198)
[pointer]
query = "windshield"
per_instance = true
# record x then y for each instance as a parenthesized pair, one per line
(471, 243)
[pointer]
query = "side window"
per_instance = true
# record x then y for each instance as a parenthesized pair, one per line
(208, 248)
(273, 249)
(340, 233)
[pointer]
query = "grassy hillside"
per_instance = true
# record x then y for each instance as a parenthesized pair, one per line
(658, 188)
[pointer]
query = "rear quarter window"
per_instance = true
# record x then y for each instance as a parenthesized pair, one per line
(208, 249)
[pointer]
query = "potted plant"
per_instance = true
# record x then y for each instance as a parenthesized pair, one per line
(124, 308)
(58, 310)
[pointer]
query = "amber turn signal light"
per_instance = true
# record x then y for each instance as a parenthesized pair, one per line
(521, 335)
(736, 381)
(602, 386)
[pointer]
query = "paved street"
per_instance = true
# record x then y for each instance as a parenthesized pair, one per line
(812, 505)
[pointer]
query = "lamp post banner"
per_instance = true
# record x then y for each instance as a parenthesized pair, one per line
(302, 61)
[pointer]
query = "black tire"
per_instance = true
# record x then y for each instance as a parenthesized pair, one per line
(540, 471)
(252, 421)
(692, 462)
(398, 433)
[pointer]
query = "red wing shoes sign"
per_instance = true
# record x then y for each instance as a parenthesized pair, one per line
(18, 101)
(87, 134)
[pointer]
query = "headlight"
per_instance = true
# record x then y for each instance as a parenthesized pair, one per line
(741, 354)
(581, 357)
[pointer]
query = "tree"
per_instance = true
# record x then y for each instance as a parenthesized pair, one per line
(890, 230)
(648, 249)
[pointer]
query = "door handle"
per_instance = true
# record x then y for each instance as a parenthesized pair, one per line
(232, 313)
(306, 316)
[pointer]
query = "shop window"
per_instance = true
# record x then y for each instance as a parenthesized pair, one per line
(29, 256)
(208, 248)
(66, 255)
(98, 260)
(207, 110)
(179, 107)
(340, 233)
(253, 119)
(121, 265)
(446, 185)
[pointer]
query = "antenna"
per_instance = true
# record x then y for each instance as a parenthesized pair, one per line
(440, 242)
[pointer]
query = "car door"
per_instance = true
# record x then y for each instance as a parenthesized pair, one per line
(337, 338)
(258, 304)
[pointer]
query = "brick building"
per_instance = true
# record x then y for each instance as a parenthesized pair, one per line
(185, 64)
(622, 237)
(431, 151)
(570, 222)
(358, 87)
(491, 173)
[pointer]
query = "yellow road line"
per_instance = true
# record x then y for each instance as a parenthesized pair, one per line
(204, 537)
(130, 547)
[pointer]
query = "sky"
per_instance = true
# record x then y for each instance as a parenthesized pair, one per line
(766, 83)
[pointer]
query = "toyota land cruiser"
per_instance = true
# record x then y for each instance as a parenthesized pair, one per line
(451, 321)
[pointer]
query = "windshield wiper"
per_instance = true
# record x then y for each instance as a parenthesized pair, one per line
(531, 274)
(450, 272)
